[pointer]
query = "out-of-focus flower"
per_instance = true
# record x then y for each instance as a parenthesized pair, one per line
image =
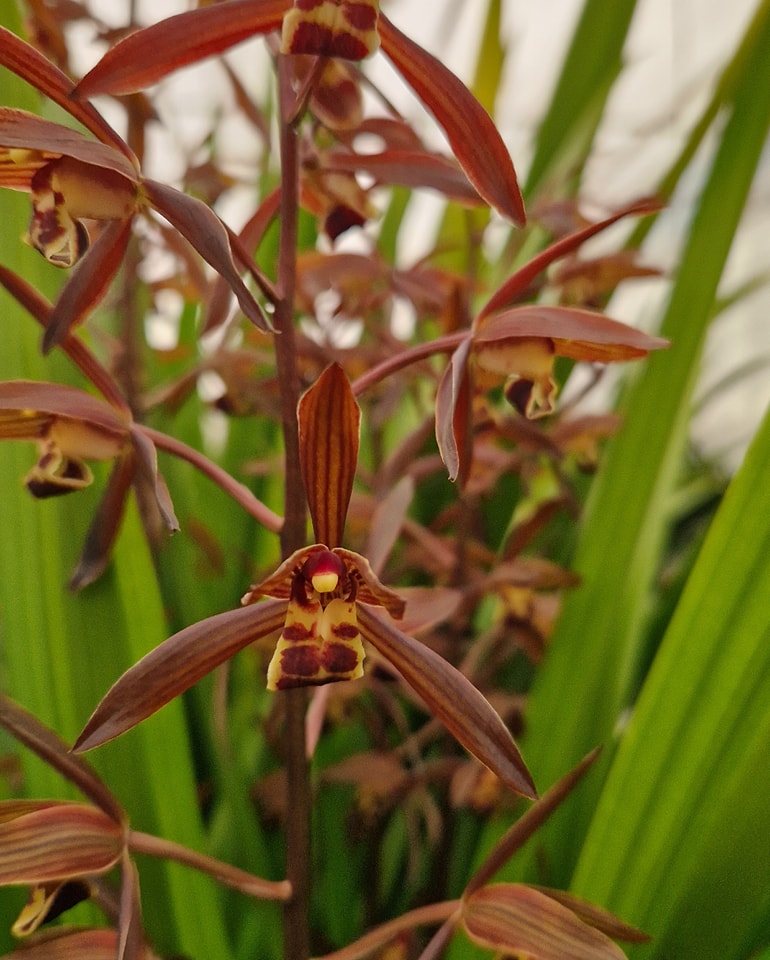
(347, 29)
(72, 178)
(323, 601)
(71, 427)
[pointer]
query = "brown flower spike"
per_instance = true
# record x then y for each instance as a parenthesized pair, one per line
(323, 602)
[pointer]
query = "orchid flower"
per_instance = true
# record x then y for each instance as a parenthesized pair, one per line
(323, 602)
(60, 849)
(72, 178)
(340, 29)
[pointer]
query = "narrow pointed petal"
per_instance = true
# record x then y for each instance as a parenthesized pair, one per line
(528, 823)
(519, 281)
(47, 745)
(453, 414)
(250, 236)
(59, 841)
(471, 132)
(174, 666)
(513, 919)
(21, 130)
(329, 419)
(595, 916)
(147, 459)
(26, 62)
(145, 57)
(89, 282)
(452, 699)
(207, 234)
(579, 334)
(104, 527)
(40, 308)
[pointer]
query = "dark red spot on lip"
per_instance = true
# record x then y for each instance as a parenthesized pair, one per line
(339, 659)
(345, 631)
(300, 661)
(360, 16)
(295, 632)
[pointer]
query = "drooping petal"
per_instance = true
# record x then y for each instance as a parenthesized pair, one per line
(453, 414)
(145, 57)
(329, 420)
(198, 223)
(331, 28)
(29, 64)
(89, 283)
(576, 333)
(147, 462)
(175, 665)
(452, 699)
(318, 645)
(104, 527)
(514, 919)
(473, 136)
(58, 841)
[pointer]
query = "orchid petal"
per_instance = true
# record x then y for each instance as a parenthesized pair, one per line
(145, 57)
(318, 645)
(27, 407)
(452, 699)
(20, 130)
(521, 279)
(174, 666)
(58, 841)
(89, 282)
(48, 901)
(67, 943)
(511, 918)
(104, 527)
(329, 420)
(453, 414)
(472, 135)
(207, 234)
(576, 333)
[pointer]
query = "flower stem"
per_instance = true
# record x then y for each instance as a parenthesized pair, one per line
(296, 910)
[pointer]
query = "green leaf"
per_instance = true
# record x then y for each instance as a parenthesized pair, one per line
(686, 798)
(592, 667)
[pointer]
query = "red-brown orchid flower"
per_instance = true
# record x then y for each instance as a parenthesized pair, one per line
(516, 345)
(60, 848)
(72, 178)
(71, 427)
(346, 29)
(323, 602)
